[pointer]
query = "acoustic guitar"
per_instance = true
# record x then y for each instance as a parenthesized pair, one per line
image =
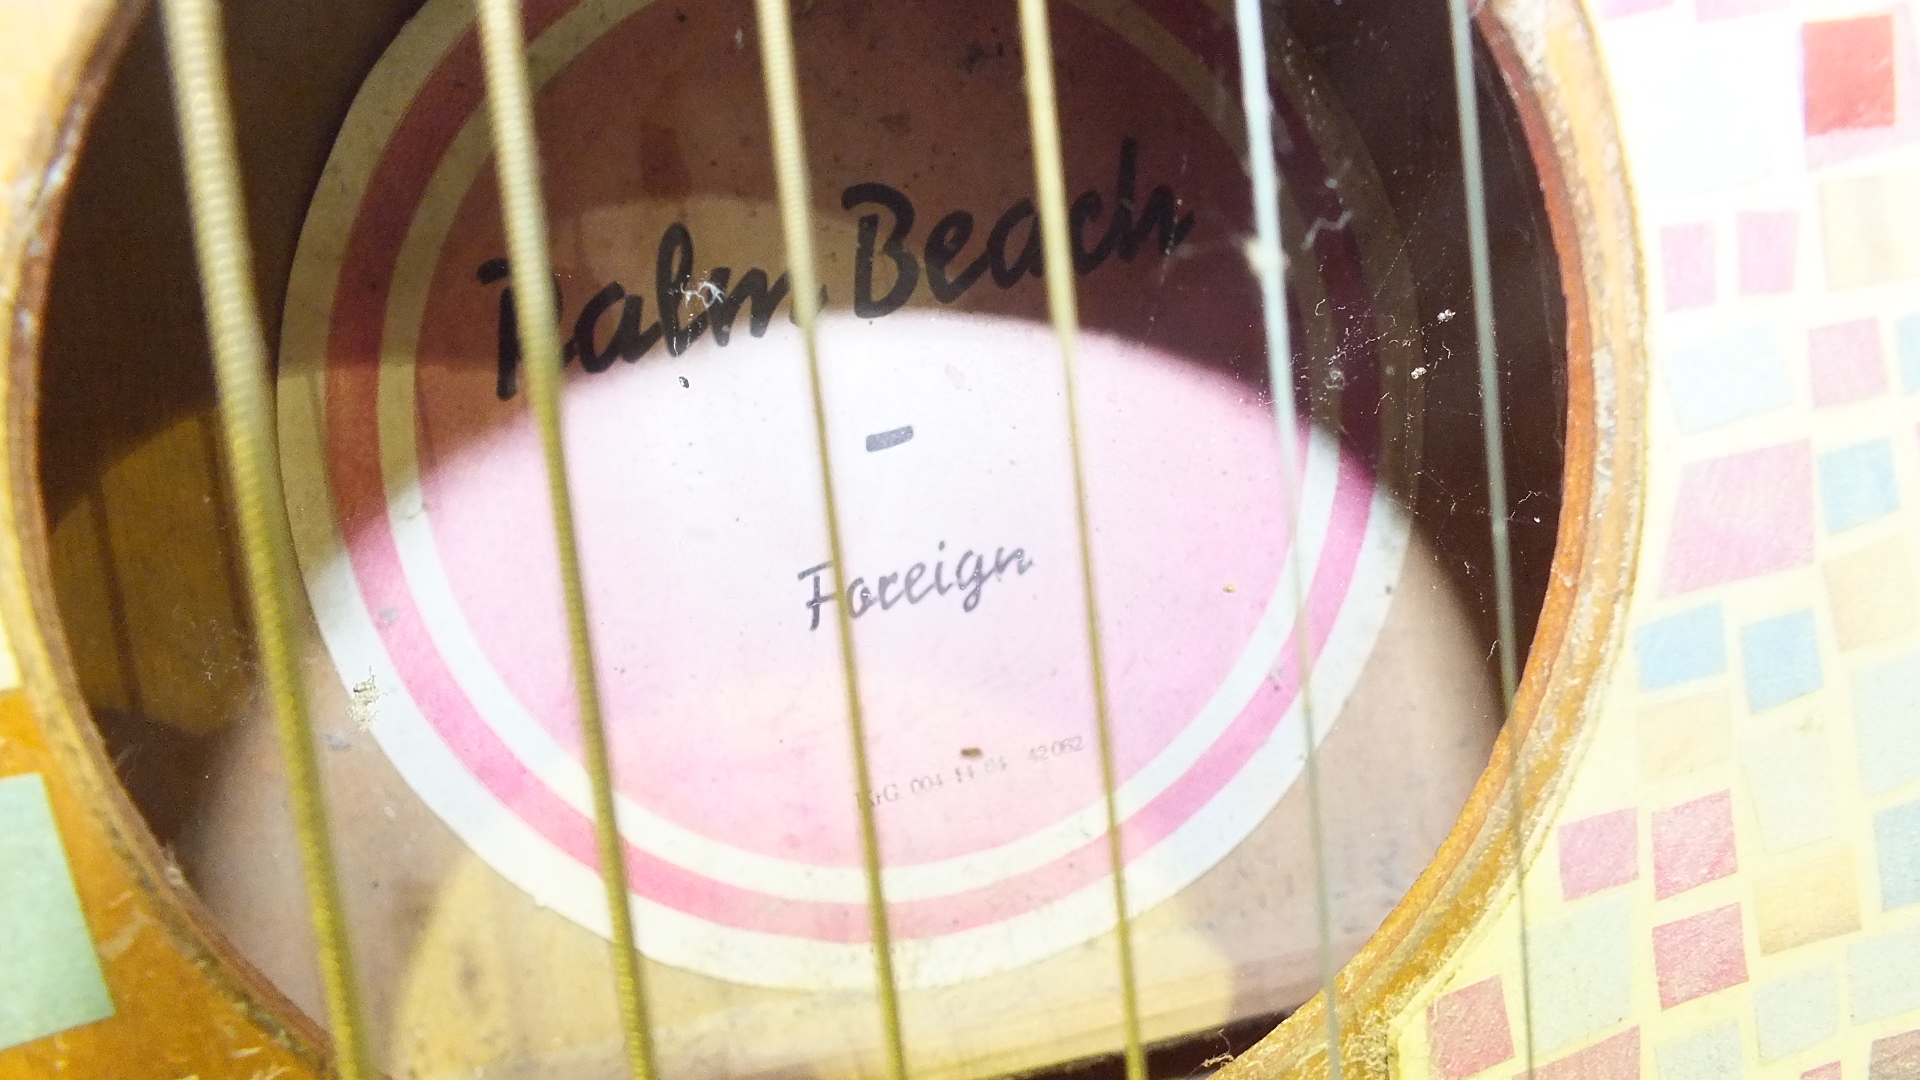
(1386, 589)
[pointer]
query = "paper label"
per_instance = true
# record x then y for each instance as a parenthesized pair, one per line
(420, 506)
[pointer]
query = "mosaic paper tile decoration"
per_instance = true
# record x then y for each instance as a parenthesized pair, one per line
(1582, 972)
(1712, 1053)
(1845, 363)
(1896, 833)
(1856, 484)
(1681, 648)
(1729, 379)
(1686, 252)
(1769, 249)
(1895, 1058)
(1599, 852)
(1692, 844)
(1782, 657)
(1740, 516)
(49, 973)
(1907, 336)
(1796, 1012)
(1732, 885)
(1614, 1058)
(1849, 74)
(1700, 954)
(1790, 778)
(1470, 1030)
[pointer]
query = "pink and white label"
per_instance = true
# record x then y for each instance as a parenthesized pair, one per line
(419, 502)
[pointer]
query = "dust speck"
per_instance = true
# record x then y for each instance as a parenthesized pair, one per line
(360, 704)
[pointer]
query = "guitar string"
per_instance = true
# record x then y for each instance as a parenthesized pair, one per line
(1493, 427)
(1043, 120)
(204, 111)
(1268, 255)
(206, 133)
(796, 221)
(523, 215)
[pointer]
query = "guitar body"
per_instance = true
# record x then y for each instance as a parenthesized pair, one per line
(1691, 847)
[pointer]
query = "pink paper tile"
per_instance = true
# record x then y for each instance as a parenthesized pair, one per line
(1769, 244)
(1851, 144)
(1614, 1058)
(1692, 844)
(1614, 9)
(1599, 852)
(1849, 73)
(1739, 516)
(1829, 1071)
(1686, 259)
(1708, 10)
(1845, 361)
(1696, 956)
(1468, 1031)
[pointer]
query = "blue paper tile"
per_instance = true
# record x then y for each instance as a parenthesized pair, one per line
(1583, 971)
(1712, 1053)
(1796, 1012)
(1782, 658)
(49, 973)
(1728, 379)
(1906, 338)
(1681, 648)
(1886, 722)
(1856, 484)
(1880, 969)
(1896, 836)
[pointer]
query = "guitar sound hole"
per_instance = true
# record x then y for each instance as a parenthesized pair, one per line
(414, 487)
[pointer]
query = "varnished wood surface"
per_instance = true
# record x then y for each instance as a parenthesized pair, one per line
(182, 1005)
(1547, 55)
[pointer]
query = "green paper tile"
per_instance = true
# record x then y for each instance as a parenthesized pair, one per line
(49, 973)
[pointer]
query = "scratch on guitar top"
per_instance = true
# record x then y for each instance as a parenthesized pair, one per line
(707, 294)
(123, 939)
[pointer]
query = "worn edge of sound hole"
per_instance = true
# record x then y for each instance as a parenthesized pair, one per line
(1545, 55)
(1544, 50)
(233, 988)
